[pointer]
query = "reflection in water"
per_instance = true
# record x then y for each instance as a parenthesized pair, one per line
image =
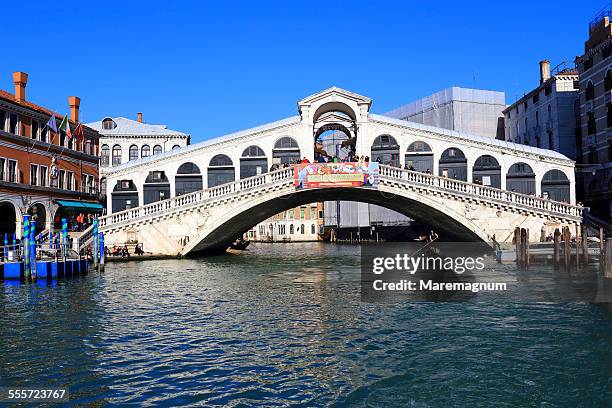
(283, 324)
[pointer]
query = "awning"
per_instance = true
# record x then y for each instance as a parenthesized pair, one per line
(80, 204)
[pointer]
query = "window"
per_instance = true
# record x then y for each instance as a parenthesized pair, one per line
(609, 115)
(590, 91)
(313, 213)
(321, 214)
(588, 64)
(537, 118)
(108, 124)
(535, 98)
(69, 180)
(145, 151)
(62, 179)
(157, 149)
(12, 171)
(176, 147)
(2, 120)
(91, 186)
(591, 127)
(302, 213)
(83, 183)
(43, 176)
(43, 134)
(291, 229)
(34, 130)
(576, 84)
(592, 155)
(33, 174)
(547, 89)
(313, 229)
(302, 229)
(608, 80)
(13, 124)
(525, 106)
(105, 153)
(116, 155)
(2, 165)
(133, 152)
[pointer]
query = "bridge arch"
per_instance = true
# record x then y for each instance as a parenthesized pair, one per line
(487, 171)
(156, 187)
(385, 150)
(420, 156)
(253, 162)
(453, 164)
(336, 106)
(556, 185)
(188, 179)
(8, 222)
(220, 170)
(39, 212)
(521, 179)
(286, 149)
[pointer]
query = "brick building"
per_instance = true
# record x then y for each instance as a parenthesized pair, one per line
(42, 172)
(595, 161)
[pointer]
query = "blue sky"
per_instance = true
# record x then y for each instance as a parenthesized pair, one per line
(208, 69)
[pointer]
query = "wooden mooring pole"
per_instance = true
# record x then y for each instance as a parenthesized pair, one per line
(585, 244)
(607, 259)
(557, 248)
(566, 247)
(577, 247)
(517, 245)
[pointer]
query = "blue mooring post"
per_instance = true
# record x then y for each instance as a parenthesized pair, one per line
(15, 249)
(33, 249)
(50, 239)
(96, 242)
(26, 246)
(64, 239)
(101, 250)
(5, 246)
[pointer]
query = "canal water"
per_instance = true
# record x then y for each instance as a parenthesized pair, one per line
(285, 325)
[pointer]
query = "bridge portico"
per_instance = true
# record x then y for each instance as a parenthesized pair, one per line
(249, 154)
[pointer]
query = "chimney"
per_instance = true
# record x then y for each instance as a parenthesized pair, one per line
(544, 71)
(20, 79)
(74, 102)
(139, 117)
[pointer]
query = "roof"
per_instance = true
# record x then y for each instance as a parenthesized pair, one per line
(131, 127)
(536, 90)
(11, 98)
(473, 138)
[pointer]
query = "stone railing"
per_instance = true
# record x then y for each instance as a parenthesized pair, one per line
(479, 191)
(387, 174)
(198, 197)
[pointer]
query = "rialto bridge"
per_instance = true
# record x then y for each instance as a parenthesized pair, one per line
(201, 197)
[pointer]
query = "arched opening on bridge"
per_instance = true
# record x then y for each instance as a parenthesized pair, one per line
(335, 132)
(253, 162)
(124, 196)
(420, 156)
(453, 164)
(521, 179)
(38, 213)
(8, 221)
(286, 150)
(220, 170)
(188, 179)
(487, 171)
(556, 186)
(385, 150)
(156, 187)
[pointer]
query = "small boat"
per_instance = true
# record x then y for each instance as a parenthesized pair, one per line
(240, 244)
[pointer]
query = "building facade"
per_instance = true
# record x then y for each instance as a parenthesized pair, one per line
(300, 224)
(595, 160)
(47, 174)
(546, 116)
(473, 111)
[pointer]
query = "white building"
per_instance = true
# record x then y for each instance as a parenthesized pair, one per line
(473, 111)
(300, 224)
(123, 140)
(546, 116)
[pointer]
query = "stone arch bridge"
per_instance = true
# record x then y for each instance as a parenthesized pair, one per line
(201, 197)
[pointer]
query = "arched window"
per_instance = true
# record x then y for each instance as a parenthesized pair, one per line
(385, 150)
(608, 80)
(253, 162)
(156, 187)
(116, 155)
(291, 229)
(108, 124)
(419, 156)
(556, 185)
(133, 152)
(176, 147)
(188, 179)
(157, 149)
(313, 229)
(302, 230)
(521, 179)
(487, 171)
(453, 164)
(286, 149)
(220, 170)
(124, 196)
(104, 155)
(145, 151)
(590, 91)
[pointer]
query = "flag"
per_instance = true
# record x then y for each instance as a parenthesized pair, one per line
(78, 132)
(52, 124)
(65, 126)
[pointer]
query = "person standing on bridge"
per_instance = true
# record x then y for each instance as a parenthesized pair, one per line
(305, 160)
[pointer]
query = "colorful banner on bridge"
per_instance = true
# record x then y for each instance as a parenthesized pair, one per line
(313, 175)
